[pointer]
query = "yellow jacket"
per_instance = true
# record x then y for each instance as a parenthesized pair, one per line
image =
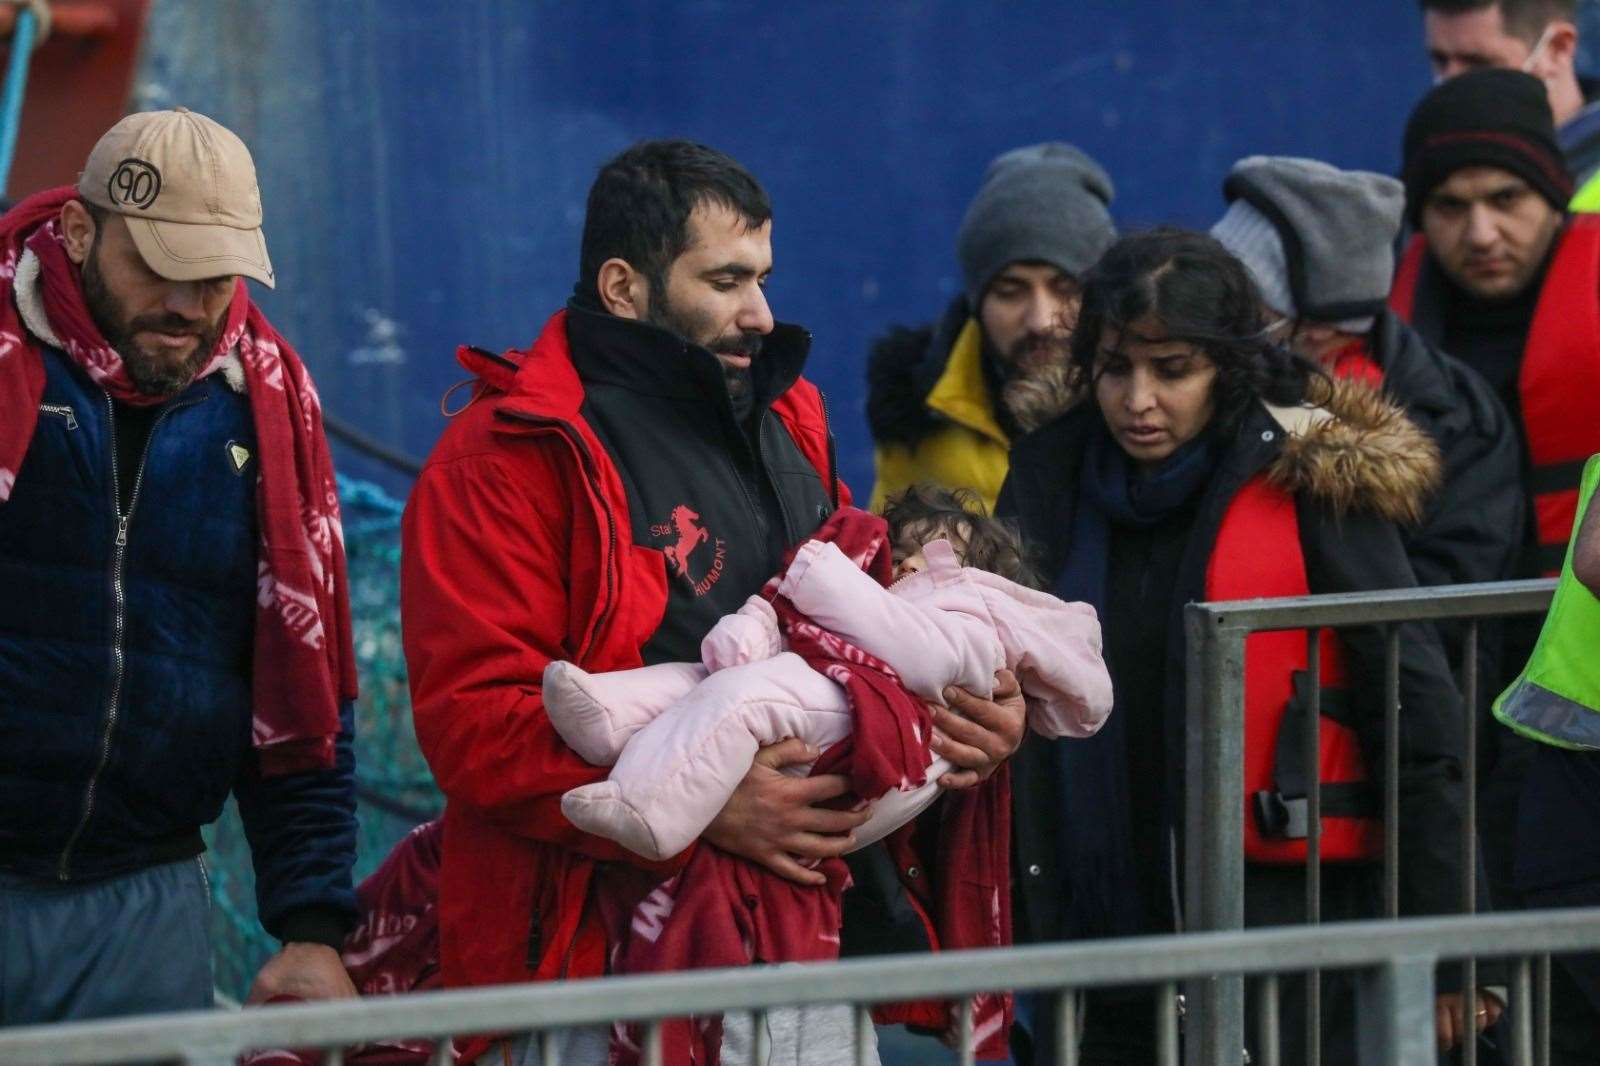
(967, 449)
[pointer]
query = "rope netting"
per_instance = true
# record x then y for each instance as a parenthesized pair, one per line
(394, 789)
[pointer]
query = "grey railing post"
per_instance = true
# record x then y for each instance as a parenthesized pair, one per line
(1395, 1006)
(1213, 839)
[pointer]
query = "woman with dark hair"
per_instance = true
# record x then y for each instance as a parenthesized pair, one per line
(1206, 463)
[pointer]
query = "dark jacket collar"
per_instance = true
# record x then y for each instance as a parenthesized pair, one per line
(1042, 488)
(643, 358)
(1414, 371)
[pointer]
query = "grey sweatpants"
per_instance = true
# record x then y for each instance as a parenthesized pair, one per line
(799, 1036)
(132, 944)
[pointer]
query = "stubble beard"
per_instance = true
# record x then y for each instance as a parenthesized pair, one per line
(151, 375)
(694, 328)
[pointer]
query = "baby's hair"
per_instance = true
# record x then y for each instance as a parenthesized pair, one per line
(927, 512)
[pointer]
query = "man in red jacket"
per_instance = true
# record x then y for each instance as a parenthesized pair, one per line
(604, 497)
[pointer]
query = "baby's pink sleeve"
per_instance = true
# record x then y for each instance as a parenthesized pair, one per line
(748, 635)
(929, 648)
(1054, 647)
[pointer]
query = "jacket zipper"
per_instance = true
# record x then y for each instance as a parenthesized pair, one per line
(902, 577)
(758, 467)
(583, 913)
(592, 472)
(62, 411)
(119, 620)
(833, 463)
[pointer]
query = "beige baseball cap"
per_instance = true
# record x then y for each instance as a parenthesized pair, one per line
(187, 187)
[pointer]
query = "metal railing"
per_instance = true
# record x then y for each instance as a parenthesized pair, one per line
(1394, 961)
(1214, 801)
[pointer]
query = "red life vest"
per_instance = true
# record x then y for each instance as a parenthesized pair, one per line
(1258, 554)
(1559, 380)
(1355, 361)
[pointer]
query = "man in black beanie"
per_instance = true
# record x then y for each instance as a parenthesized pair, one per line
(1501, 277)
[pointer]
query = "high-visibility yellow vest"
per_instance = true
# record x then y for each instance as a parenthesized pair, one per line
(1586, 201)
(1556, 700)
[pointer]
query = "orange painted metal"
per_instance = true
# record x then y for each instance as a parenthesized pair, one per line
(78, 86)
(89, 19)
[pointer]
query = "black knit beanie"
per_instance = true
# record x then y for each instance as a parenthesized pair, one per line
(1487, 118)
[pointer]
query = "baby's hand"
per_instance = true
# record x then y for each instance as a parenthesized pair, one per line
(746, 636)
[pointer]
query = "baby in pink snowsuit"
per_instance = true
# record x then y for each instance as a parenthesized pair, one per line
(682, 736)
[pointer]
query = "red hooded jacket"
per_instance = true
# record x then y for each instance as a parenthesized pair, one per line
(516, 552)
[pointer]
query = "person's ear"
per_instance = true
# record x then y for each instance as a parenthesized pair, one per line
(624, 292)
(77, 230)
(1561, 49)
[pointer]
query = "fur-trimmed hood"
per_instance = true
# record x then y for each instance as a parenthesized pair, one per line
(902, 367)
(1355, 449)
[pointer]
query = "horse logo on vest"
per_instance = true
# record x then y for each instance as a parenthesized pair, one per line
(690, 537)
(683, 525)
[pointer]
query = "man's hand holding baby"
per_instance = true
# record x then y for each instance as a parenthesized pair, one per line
(772, 818)
(978, 734)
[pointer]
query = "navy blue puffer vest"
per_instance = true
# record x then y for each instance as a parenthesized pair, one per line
(125, 639)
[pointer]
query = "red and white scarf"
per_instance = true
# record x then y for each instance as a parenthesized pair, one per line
(304, 662)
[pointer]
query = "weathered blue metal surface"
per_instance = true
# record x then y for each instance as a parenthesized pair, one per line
(424, 164)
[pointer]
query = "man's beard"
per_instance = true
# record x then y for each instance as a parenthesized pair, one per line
(1037, 379)
(694, 328)
(151, 374)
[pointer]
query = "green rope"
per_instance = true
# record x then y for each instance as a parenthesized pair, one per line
(395, 791)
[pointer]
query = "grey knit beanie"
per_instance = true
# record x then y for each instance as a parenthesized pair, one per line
(1318, 240)
(1253, 240)
(1045, 203)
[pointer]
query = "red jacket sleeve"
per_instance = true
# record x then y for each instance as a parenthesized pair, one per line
(486, 603)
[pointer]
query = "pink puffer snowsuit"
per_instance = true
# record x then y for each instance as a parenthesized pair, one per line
(682, 736)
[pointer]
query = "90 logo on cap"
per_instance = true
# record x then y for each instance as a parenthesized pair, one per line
(134, 183)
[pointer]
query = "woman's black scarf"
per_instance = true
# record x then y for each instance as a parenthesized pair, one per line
(1100, 883)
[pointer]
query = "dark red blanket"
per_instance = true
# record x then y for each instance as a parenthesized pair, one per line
(721, 910)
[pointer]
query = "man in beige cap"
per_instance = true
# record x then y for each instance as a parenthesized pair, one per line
(175, 623)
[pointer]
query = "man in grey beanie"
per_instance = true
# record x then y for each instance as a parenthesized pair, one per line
(1319, 244)
(945, 401)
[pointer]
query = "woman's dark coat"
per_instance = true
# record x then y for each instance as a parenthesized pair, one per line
(1356, 477)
